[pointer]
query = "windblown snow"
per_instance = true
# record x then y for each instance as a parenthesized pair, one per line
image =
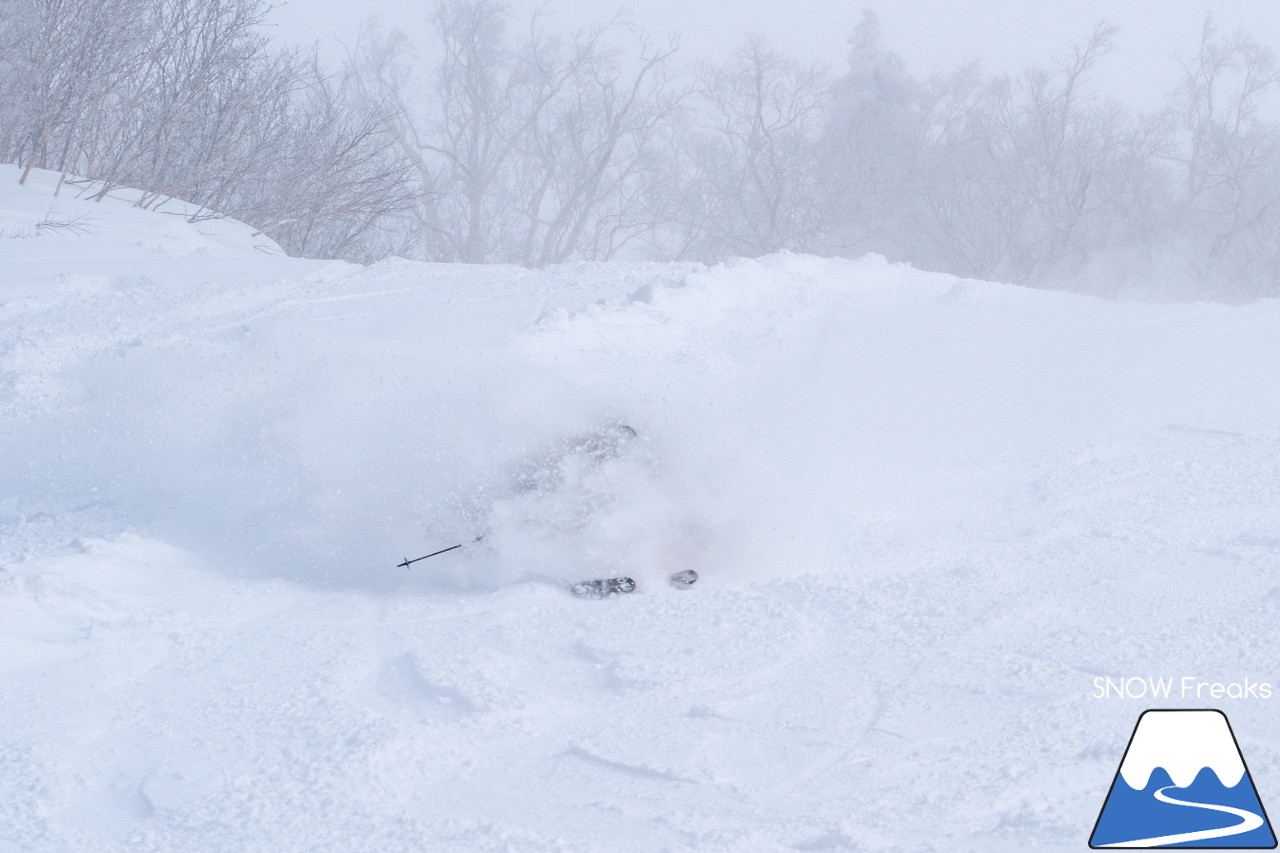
(927, 513)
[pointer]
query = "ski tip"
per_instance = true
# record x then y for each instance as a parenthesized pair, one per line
(603, 588)
(685, 579)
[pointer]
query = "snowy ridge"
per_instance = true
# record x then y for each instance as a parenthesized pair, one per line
(1183, 743)
(35, 224)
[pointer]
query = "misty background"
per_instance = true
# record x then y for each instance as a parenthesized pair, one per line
(1086, 149)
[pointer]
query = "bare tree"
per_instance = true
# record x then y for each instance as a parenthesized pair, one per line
(527, 150)
(581, 166)
(1027, 178)
(1228, 158)
(188, 94)
(754, 185)
(74, 56)
(187, 99)
(335, 184)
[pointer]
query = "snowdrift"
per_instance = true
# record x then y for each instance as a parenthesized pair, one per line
(927, 512)
(40, 211)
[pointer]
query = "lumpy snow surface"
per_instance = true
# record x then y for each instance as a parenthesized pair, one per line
(927, 513)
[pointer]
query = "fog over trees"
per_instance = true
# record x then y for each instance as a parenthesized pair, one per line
(504, 141)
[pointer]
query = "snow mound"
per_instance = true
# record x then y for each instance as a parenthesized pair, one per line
(37, 224)
(927, 513)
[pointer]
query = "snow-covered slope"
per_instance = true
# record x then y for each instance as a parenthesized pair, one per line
(37, 221)
(928, 513)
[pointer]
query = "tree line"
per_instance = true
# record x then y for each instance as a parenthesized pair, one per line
(511, 143)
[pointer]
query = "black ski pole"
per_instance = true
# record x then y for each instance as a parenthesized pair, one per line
(407, 562)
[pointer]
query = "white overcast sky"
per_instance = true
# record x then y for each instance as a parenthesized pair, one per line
(1006, 35)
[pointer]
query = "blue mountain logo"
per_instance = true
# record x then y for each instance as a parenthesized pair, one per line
(1183, 783)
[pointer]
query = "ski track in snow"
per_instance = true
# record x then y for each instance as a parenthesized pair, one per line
(926, 513)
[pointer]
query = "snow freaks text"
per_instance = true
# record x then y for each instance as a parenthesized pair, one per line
(1185, 687)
